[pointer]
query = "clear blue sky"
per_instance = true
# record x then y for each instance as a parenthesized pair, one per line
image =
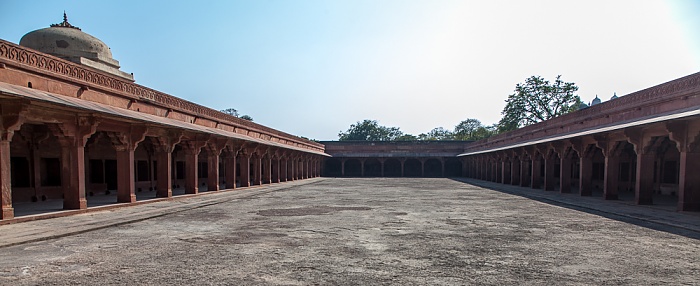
(312, 68)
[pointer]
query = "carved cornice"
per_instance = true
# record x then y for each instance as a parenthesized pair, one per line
(43, 63)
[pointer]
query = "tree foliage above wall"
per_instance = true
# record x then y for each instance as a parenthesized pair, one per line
(537, 100)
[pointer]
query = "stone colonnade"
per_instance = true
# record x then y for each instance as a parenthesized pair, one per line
(659, 158)
(54, 154)
(393, 167)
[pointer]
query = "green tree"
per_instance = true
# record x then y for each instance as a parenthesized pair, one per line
(407, 137)
(439, 133)
(370, 130)
(230, 111)
(466, 129)
(247, 117)
(537, 100)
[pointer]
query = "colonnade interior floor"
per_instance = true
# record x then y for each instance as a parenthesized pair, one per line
(96, 200)
(665, 202)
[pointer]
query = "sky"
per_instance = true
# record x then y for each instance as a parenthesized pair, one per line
(312, 68)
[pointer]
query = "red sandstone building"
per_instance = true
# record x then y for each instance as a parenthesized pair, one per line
(78, 131)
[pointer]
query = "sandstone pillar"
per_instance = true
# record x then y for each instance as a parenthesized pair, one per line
(612, 170)
(11, 119)
(549, 162)
(362, 167)
(191, 150)
(245, 169)
(689, 182)
(565, 174)
(276, 171)
(284, 170)
(536, 171)
(586, 175)
(72, 137)
(524, 178)
(230, 169)
(515, 171)
(342, 167)
(644, 182)
(268, 170)
(8, 211)
(257, 170)
(125, 175)
(213, 170)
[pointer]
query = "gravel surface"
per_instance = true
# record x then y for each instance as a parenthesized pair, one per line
(364, 232)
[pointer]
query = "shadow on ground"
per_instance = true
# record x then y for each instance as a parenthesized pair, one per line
(643, 217)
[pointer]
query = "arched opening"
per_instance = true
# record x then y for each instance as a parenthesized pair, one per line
(36, 175)
(666, 173)
(353, 168)
(627, 174)
(453, 168)
(99, 151)
(432, 168)
(373, 168)
(392, 168)
(412, 168)
(178, 170)
(145, 169)
(332, 167)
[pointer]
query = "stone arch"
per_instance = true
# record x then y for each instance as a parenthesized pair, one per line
(432, 168)
(332, 167)
(412, 168)
(353, 168)
(392, 167)
(373, 168)
(453, 167)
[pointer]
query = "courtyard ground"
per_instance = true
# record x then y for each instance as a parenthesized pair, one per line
(363, 231)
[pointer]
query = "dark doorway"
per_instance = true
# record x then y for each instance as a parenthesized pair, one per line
(373, 168)
(332, 168)
(353, 168)
(453, 168)
(433, 168)
(392, 168)
(412, 168)
(111, 174)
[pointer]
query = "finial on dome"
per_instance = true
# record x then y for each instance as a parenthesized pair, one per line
(65, 23)
(614, 95)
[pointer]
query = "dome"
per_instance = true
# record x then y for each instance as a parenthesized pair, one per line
(70, 43)
(614, 96)
(596, 100)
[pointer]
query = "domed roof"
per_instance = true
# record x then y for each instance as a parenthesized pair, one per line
(596, 100)
(70, 43)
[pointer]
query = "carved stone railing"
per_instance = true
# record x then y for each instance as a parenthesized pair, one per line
(27, 58)
(674, 96)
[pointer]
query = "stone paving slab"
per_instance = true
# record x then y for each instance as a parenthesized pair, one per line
(689, 221)
(364, 231)
(31, 231)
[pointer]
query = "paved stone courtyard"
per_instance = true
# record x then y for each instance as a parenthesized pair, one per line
(363, 232)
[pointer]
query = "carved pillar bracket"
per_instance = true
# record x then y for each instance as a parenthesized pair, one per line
(11, 120)
(164, 145)
(611, 151)
(72, 137)
(192, 148)
(687, 139)
(214, 147)
(125, 143)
